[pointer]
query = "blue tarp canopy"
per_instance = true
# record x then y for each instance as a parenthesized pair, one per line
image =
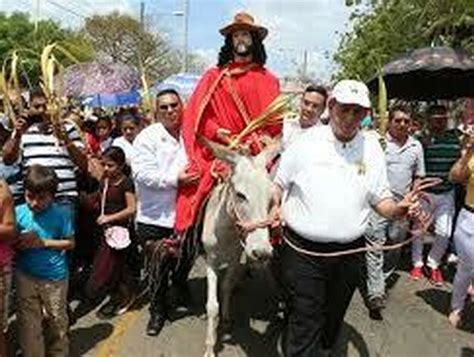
(113, 100)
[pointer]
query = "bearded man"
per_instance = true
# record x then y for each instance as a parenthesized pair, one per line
(226, 100)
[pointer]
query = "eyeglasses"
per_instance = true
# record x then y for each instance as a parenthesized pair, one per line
(168, 106)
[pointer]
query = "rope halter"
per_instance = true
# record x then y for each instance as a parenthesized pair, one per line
(244, 226)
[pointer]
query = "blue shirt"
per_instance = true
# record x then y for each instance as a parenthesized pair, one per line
(52, 223)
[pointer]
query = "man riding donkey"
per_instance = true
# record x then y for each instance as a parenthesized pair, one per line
(237, 93)
(234, 108)
(227, 101)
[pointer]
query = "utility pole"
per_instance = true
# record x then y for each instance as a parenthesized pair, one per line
(186, 33)
(142, 15)
(305, 64)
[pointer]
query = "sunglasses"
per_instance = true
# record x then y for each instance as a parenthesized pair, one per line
(168, 106)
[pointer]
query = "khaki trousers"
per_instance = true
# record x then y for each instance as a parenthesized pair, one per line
(42, 304)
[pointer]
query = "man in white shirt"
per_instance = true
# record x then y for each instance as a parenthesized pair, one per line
(330, 180)
(312, 105)
(159, 166)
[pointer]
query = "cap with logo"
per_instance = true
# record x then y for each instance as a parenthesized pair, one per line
(349, 91)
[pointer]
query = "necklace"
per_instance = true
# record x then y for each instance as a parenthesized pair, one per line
(118, 182)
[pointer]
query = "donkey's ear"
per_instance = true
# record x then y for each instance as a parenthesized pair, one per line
(270, 151)
(220, 151)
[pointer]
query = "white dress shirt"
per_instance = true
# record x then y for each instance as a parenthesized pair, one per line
(329, 186)
(158, 159)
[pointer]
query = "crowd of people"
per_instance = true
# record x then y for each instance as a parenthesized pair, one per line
(93, 202)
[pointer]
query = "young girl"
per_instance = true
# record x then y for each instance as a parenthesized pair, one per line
(129, 128)
(103, 130)
(112, 268)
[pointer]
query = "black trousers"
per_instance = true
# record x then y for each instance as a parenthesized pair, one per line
(320, 290)
(176, 270)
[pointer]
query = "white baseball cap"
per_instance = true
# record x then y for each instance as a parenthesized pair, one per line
(349, 91)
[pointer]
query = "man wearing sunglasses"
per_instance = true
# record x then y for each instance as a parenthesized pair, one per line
(226, 100)
(405, 163)
(159, 167)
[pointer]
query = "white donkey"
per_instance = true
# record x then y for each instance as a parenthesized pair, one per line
(235, 226)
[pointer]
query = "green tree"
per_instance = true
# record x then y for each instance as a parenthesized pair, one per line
(389, 28)
(121, 38)
(17, 32)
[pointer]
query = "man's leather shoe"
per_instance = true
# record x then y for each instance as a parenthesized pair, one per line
(155, 324)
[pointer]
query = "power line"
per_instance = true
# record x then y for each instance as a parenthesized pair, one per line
(54, 3)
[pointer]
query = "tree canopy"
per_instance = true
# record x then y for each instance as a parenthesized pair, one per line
(17, 32)
(121, 38)
(386, 29)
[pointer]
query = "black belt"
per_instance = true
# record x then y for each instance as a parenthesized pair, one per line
(322, 247)
(468, 208)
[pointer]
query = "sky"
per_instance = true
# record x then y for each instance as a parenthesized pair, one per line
(295, 26)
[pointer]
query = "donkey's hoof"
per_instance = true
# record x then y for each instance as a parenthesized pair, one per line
(209, 352)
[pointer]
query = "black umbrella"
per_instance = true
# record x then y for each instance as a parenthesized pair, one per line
(429, 73)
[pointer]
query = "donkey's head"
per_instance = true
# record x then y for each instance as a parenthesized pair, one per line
(249, 199)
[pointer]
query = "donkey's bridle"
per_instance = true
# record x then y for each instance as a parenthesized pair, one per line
(244, 226)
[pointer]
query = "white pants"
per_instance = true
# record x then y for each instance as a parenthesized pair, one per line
(464, 241)
(443, 224)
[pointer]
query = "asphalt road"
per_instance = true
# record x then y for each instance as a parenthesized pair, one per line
(414, 324)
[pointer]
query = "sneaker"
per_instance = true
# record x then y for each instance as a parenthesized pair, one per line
(416, 273)
(436, 277)
(454, 318)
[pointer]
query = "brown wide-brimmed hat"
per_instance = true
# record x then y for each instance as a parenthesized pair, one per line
(244, 21)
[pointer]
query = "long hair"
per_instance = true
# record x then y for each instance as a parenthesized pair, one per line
(226, 53)
(117, 155)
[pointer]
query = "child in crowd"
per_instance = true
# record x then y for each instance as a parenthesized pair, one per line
(103, 130)
(7, 236)
(129, 128)
(45, 234)
(118, 206)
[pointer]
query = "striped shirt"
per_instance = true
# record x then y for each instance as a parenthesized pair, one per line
(440, 155)
(39, 148)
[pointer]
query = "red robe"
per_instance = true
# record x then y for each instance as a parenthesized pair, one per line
(256, 88)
